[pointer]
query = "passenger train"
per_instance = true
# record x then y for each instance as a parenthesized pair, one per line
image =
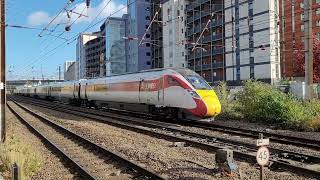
(176, 93)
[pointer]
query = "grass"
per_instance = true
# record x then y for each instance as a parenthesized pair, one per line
(27, 159)
(263, 103)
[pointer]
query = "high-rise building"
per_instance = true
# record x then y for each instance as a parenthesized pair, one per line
(174, 51)
(139, 17)
(82, 39)
(251, 41)
(94, 50)
(292, 32)
(70, 72)
(205, 38)
(115, 47)
(67, 64)
(156, 35)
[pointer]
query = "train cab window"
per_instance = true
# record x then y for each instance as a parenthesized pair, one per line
(194, 79)
(198, 82)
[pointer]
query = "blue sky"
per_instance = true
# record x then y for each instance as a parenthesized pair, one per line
(26, 52)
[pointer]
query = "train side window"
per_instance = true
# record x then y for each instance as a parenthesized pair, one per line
(173, 82)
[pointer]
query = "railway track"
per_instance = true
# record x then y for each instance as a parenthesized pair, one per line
(279, 138)
(90, 160)
(280, 159)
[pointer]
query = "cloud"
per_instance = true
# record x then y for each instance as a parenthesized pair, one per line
(38, 18)
(41, 18)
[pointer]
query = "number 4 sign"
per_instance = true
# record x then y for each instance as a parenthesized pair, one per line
(263, 156)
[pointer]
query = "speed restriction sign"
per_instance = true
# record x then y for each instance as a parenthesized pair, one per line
(263, 156)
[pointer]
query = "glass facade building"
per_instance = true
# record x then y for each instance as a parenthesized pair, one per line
(115, 54)
(139, 17)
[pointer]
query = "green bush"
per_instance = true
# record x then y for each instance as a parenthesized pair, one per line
(229, 108)
(261, 102)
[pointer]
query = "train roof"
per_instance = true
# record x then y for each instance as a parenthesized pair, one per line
(182, 71)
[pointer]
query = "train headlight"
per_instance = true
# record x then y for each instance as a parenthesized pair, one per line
(194, 94)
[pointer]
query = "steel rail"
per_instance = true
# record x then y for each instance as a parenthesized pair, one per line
(116, 156)
(213, 140)
(82, 171)
(276, 138)
(283, 139)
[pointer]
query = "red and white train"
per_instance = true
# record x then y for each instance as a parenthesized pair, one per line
(172, 92)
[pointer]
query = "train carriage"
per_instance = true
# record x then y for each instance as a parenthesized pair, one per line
(174, 92)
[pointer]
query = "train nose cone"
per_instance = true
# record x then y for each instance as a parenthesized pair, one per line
(213, 105)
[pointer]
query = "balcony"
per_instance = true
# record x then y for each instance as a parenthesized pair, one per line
(207, 39)
(217, 65)
(203, 1)
(216, 23)
(216, 37)
(217, 51)
(217, 7)
(198, 54)
(197, 29)
(189, 32)
(189, 19)
(204, 14)
(190, 7)
(197, 16)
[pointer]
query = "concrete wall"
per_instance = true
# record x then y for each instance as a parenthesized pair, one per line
(174, 50)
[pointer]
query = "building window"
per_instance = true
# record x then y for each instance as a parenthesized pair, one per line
(181, 7)
(182, 30)
(147, 17)
(214, 74)
(147, 9)
(252, 72)
(301, 5)
(182, 54)
(251, 28)
(318, 11)
(250, 5)
(238, 73)
(302, 17)
(147, 35)
(251, 60)
(148, 44)
(302, 27)
(318, 23)
(148, 54)
(148, 62)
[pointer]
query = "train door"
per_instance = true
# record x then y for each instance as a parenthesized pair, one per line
(74, 91)
(149, 93)
(49, 91)
(85, 91)
(79, 91)
(161, 91)
(140, 92)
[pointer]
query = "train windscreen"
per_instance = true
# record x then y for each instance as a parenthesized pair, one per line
(194, 79)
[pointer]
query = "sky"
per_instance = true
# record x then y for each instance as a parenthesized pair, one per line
(28, 55)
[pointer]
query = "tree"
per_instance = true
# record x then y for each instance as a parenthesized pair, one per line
(300, 61)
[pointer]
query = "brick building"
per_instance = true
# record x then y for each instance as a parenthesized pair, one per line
(292, 31)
